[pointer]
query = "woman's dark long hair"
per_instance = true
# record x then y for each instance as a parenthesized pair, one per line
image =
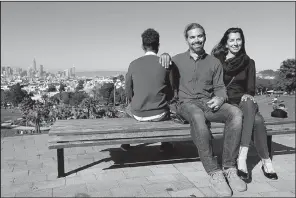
(221, 50)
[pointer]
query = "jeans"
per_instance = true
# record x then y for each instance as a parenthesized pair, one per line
(254, 128)
(201, 134)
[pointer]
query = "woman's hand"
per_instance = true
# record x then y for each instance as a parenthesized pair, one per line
(245, 97)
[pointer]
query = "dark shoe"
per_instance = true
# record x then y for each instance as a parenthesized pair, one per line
(166, 146)
(125, 147)
(269, 175)
(242, 174)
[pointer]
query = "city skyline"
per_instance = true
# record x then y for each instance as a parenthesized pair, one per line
(98, 36)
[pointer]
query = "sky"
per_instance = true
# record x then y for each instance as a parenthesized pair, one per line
(96, 36)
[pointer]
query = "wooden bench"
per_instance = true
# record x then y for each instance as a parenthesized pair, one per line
(94, 132)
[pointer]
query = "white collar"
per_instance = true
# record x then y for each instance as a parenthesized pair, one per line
(150, 53)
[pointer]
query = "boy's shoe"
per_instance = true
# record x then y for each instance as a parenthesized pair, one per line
(233, 179)
(166, 146)
(219, 184)
(125, 147)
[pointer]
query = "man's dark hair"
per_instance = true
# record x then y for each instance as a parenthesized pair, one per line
(150, 40)
(192, 26)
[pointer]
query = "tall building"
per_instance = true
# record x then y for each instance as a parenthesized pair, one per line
(34, 65)
(40, 70)
(8, 71)
(67, 73)
(73, 71)
(2, 70)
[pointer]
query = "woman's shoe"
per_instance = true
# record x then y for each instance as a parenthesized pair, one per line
(269, 175)
(242, 174)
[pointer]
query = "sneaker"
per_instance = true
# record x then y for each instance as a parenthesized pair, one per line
(166, 146)
(219, 184)
(234, 181)
(125, 147)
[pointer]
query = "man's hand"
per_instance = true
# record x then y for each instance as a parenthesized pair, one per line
(245, 97)
(165, 60)
(215, 103)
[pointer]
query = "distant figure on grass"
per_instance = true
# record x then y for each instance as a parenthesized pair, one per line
(148, 87)
(239, 78)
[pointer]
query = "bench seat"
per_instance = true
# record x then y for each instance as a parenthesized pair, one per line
(96, 132)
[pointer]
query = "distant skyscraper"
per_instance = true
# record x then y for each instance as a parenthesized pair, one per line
(2, 70)
(67, 72)
(14, 71)
(73, 71)
(8, 71)
(34, 65)
(41, 70)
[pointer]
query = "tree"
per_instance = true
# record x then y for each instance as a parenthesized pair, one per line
(51, 88)
(36, 112)
(114, 90)
(17, 94)
(75, 98)
(286, 78)
(105, 91)
(80, 85)
(62, 87)
(262, 85)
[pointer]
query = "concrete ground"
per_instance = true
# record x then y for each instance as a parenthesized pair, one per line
(29, 168)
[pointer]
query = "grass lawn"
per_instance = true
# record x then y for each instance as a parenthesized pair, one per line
(265, 106)
(10, 114)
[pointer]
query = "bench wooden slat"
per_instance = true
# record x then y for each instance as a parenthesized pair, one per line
(137, 134)
(148, 139)
(117, 135)
(82, 127)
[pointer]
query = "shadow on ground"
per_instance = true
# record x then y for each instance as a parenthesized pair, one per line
(147, 154)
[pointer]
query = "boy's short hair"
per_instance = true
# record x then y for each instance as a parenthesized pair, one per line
(150, 38)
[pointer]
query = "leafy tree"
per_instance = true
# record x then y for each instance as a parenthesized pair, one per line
(17, 94)
(105, 91)
(51, 88)
(268, 72)
(75, 98)
(262, 85)
(286, 78)
(62, 87)
(95, 92)
(80, 85)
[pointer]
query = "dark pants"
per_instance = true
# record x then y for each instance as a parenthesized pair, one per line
(253, 127)
(201, 134)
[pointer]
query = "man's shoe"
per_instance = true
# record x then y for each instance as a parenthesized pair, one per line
(234, 181)
(125, 147)
(219, 184)
(166, 146)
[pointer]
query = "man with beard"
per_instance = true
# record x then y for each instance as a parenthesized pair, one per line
(202, 94)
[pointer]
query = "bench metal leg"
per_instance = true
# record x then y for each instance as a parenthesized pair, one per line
(61, 165)
(269, 142)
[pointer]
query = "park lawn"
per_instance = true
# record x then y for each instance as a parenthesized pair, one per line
(10, 114)
(265, 106)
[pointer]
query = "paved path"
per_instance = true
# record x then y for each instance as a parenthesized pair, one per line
(28, 168)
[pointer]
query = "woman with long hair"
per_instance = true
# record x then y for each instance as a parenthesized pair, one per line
(239, 78)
